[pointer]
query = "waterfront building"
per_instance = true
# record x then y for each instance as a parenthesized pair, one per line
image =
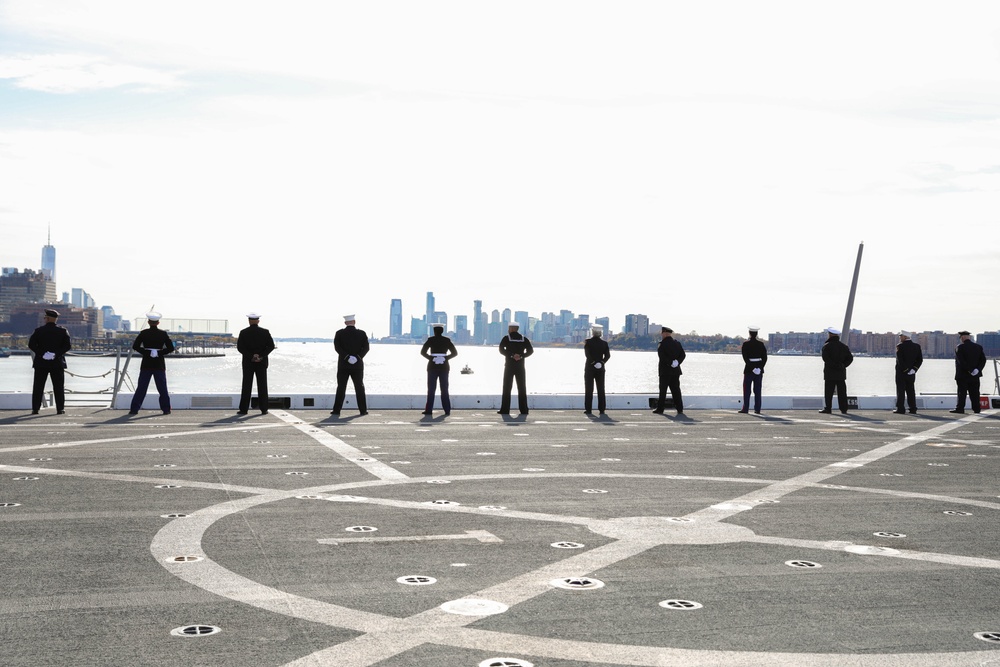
(478, 323)
(23, 287)
(396, 318)
(637, 324)
(990, 340)
(429, 310)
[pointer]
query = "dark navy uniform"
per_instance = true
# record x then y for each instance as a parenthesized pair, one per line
(254, 343)
(46, 340)
(438, 347)
(670, 351)
(597, 352)
(970, 360)
(515, 348)
(149, 342)
(909, 357)
(350, 343)
(836, 358)
(754, 359)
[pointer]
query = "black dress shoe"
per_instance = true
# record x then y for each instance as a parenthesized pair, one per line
(657, 412)
(34, 412)
(826, 411)
(241, 412)
(363, 413)
(899, 412)
(263, 412)
(913, 412)
(957, 412)
(426, 412)
(503, 412)
(743, 412)
(335, 414)
(587, 412)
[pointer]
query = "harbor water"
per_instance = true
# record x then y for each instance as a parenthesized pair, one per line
(399, 369)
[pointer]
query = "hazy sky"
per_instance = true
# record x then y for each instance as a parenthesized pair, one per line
(710, 164)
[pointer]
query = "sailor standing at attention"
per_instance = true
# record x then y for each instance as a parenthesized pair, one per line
(597, 353)
(254, 343)
(836, 358)
(438, 350)
(970, 360)
(908, 361)
(351, 345)
(671, 356)
(153, 344)
(50, 343)
(754, 359)
(515, 348)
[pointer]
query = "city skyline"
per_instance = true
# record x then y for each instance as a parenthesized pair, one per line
(712, 166)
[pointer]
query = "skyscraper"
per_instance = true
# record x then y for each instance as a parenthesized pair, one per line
(478, 335)
(429, 313)
(396, 318)
(49, 259)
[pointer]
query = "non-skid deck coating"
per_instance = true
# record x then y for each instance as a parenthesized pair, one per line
(558, 539)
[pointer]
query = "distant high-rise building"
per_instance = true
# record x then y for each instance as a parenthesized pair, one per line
(429, 312)
(81, 299)
(637, 324)
(461, 323)
(396, 318)
(23, 287)
(477, 322)
(49, 259)
(521, 317)
(506, 316)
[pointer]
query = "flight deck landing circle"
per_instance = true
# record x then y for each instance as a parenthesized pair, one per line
(638, 533)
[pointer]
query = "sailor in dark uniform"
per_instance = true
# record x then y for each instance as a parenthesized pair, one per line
(597, 353)
(438, 350)
(754, 359)
(970, 360)
(515, 348)
(908, 360)
(153, 344)
(254, 343)
(50, 343)
(671, 356)
(836, 358)
(351, 345)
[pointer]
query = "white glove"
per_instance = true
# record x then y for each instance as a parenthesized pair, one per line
(438, 359)
(756, 371)
(49, 356)
(598, 365)
(352, 359)
(975, 372)
(675, 363)
(154, 353)
(912, 371)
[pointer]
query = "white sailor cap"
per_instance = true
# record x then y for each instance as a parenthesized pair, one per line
(906, 334)
(753, 328)
(834, 330)
(597, 330)
(253, 315)
(348, 318)
(153, 316)
(513, 324)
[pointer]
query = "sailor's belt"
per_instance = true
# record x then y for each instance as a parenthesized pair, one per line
(754, 360)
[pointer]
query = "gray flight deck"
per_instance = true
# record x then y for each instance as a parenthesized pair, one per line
(556, 539)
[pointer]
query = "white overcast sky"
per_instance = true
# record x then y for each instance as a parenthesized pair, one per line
(709, 164)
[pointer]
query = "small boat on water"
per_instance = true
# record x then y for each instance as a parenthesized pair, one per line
(4, 352)
(466, 370)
